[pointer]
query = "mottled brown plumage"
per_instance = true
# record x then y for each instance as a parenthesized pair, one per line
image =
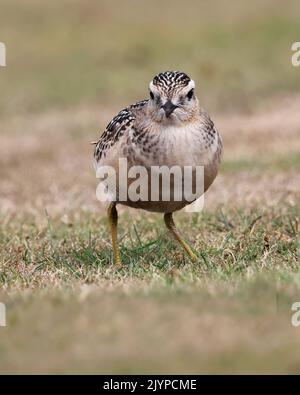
(168, 129)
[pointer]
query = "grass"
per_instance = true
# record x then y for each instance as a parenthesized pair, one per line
(209, 327)
(70, 311)
(229, 244)
(70, 66)
(284, 162)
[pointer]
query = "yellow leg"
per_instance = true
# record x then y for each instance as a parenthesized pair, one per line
(113, 222)
(168, 217)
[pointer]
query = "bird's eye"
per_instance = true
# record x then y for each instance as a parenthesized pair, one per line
(190, 94)
(151, 95)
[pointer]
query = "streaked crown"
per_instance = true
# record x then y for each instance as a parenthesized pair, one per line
(170, 81)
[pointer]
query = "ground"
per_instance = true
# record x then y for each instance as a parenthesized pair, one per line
(68, 310)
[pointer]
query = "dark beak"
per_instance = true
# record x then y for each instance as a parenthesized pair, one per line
(169, 107)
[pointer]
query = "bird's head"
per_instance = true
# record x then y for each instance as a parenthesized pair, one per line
(172, 98)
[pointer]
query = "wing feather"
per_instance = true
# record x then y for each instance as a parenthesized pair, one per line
(118, 126)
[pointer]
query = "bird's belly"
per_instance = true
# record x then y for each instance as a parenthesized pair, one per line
(163, 189)
(178, 158)
(171, 193)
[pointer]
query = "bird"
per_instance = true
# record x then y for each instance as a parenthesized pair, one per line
(169, 128)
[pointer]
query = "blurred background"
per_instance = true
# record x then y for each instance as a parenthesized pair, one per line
(67, 53)
(71, 66)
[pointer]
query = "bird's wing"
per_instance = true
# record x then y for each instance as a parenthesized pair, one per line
(121, 124)
(211, 132)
